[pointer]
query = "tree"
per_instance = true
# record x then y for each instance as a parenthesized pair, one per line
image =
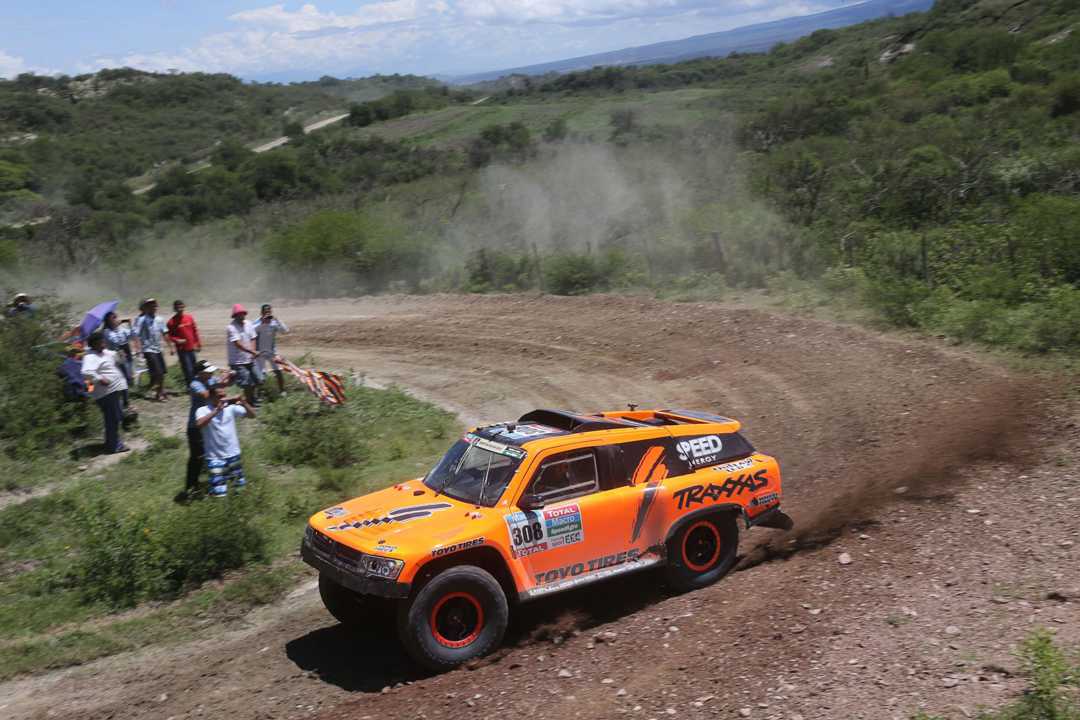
(556, 130)
(361, 115)
(231, 154)
(293, 130)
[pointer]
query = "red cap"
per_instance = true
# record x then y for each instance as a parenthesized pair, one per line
(237, 309)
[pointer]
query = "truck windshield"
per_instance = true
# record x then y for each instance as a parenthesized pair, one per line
(475, 470)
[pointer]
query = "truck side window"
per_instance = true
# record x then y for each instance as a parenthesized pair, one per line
(566, 476)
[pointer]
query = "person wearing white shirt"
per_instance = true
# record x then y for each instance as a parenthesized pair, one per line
(266, 329)
(101, 368)
(149, 331)
(221, 443)
(241, 352)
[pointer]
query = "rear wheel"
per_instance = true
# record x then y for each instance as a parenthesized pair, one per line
(459, 615)
(702, 552)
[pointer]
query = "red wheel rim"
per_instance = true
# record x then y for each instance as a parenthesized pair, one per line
(456, 620)
(701, 546)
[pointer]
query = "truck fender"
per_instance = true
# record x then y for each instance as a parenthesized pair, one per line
(484, 556)
(721, 509)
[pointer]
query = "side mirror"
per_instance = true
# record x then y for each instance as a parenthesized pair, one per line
(530, 501)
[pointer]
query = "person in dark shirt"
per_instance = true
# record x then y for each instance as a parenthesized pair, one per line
(21, 306)
(199, 391)
(70, 372)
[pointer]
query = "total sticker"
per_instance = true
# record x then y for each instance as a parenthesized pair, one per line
(536, 531)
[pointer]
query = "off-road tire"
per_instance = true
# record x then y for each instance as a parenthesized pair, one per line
(460, 614)
(702, 551)
(349, 608)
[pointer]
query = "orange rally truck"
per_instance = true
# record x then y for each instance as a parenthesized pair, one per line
(524, 509)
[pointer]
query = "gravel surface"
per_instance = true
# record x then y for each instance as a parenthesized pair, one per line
(934, 497)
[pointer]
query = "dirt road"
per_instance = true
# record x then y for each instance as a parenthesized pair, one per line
(951, 487)
(264, 147)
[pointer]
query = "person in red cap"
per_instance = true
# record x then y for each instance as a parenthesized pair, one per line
(240, 347)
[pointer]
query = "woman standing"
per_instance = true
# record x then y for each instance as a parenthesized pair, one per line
(118, 339)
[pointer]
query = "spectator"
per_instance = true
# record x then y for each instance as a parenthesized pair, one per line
(101, 369)
(199, 390)
(21, 306)
(217, 422)
(118, 339)
(241, 351)
(149, 330)
(266, 329)
(70, 371)
(184, 335)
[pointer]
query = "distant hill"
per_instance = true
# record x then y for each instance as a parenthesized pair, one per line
(751, 38)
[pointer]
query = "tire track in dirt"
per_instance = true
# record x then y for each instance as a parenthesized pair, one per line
(832, 402)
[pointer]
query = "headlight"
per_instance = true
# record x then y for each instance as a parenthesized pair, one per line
(381, 567)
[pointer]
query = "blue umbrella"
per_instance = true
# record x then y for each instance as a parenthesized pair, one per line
(95, 317)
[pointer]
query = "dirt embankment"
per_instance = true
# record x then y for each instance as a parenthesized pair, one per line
(950, 486)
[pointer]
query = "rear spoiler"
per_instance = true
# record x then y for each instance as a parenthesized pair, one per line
(693, 416)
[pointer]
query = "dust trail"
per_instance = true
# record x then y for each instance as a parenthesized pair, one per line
(994, 426)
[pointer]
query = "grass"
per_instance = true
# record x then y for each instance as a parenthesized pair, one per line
(199, 614)
(1053, 691)
(590, 116)
(48, 616)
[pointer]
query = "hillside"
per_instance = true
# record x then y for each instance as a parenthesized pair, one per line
(119, 124)
(921, 170)
(748, 39)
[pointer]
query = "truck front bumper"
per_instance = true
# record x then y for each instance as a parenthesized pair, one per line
(339, 569)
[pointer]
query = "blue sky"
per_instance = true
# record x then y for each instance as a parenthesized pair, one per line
(261, 38)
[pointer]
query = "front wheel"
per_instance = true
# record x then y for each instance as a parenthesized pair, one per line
(702, 552)
(351, 609)
(459, 615)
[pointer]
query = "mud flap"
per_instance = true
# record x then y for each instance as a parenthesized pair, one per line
(775, 519)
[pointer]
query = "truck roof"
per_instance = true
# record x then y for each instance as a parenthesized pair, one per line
(550, 424)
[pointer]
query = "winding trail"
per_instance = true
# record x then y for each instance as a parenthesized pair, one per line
(264, 147)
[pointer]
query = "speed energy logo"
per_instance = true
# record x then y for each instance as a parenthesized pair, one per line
(700, 450)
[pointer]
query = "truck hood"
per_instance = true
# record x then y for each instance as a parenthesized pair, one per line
(400, 520)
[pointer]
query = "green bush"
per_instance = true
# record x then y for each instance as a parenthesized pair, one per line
(34, 416)
(573, 274)
(127, 558)
(345, 248)
(298, 430)
(488, 270)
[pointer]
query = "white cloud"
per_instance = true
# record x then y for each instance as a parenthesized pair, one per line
(449, 36)
(10, 66)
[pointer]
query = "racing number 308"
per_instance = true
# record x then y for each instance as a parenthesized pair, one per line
(528, 533)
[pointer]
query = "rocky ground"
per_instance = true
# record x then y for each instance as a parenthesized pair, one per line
(934, 496)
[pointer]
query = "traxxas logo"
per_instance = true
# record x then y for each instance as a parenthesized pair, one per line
(698, 494)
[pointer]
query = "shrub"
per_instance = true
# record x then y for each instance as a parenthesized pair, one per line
(897, 299)
(572, 274)
(301, 431)
(33, 413)
(125, 559)
(490, 270)
(1066, 96)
